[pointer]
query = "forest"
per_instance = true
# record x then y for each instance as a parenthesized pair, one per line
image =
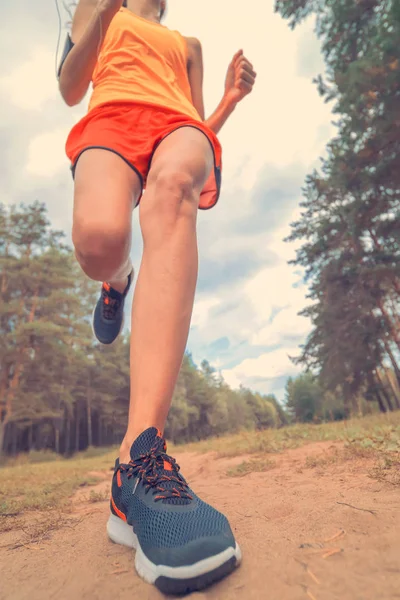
(61, 390)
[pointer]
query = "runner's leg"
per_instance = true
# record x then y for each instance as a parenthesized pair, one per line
(106, 191)
(165, 288)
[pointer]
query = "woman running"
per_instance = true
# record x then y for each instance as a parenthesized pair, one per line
(146, 129)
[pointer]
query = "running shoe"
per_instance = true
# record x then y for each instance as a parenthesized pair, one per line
(182, 544)
(108, 315)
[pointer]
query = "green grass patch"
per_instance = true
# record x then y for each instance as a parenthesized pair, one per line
(375, 431)
(99, 496)
(255, 465)
(47, 485)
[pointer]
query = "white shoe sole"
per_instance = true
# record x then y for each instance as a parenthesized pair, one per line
(176, 579)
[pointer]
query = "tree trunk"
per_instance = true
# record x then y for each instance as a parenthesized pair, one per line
(383, 391)
(100, 438)
(14, 440)
(393, 386)
(391, 327)
(3, 425)
(77, 428)
(67, 443)
(392, 360)
(30, 437)
(89, 415)
(19, 365)
(381, 405)
(57, 440)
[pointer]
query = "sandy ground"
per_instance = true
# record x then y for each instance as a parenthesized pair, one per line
(300, 538)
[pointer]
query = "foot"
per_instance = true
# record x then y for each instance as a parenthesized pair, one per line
(182, 544)
(108, 316)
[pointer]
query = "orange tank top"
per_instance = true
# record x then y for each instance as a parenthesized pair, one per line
(144, 63)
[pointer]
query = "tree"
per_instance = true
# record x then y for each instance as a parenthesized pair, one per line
(349, 226)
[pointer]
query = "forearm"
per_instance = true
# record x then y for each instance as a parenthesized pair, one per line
(77, 70)
(221, 114)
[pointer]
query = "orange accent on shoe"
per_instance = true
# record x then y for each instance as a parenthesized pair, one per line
(119, 513)
(106, 300)
(119, 482)
(106, 286)
(167, 466)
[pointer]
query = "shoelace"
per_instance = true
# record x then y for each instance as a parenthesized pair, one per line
(149, 468)
(110, 304)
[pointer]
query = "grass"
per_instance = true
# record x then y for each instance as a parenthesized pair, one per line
(47, 485)
(376, 432)
(376, 437)
(29, 483)
(99, 496)
(255, 465)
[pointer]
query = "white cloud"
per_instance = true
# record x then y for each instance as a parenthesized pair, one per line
(286, 325)
(280, 121)
(270, 365)
(46, 154)
(201, 311)
(272, 288)
(32, 83)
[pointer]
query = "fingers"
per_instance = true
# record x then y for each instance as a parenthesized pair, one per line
(237, 57)
(245, 74)
(245, 87)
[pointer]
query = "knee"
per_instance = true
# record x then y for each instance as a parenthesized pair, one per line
(171, 197)
(100, 247)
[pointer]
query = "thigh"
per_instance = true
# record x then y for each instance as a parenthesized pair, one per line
(185, 152)
(106, 191)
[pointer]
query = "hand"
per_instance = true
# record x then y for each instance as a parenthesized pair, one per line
(240, 78)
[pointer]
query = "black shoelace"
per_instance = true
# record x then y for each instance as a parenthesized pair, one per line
(110, 304)
(149, 468)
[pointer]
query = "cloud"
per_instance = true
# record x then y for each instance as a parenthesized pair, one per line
(286, 327)
(29, 84)
(263, 370)
(310, 61)
(46, 156)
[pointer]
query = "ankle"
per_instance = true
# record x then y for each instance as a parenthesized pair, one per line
(120, 283)
(130, 436)
(125, 452)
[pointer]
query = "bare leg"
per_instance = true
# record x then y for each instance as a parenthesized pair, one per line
(106, 190)
(165, 289)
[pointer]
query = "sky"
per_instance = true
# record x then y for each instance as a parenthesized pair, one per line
(245, 320)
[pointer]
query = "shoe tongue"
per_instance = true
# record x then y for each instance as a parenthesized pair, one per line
(112, 292)
(145, 442)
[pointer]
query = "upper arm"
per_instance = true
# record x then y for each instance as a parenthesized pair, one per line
(195, 73)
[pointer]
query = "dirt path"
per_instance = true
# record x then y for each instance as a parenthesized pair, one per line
(300, 538)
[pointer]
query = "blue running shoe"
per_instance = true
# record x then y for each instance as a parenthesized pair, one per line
(108, 315)
(182, 544)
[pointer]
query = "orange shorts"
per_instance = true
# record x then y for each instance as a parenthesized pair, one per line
(133, 132)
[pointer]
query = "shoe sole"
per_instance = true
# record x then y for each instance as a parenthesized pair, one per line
(174, 580)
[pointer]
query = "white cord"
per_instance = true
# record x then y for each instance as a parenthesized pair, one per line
(60, 31)
(59, 35)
